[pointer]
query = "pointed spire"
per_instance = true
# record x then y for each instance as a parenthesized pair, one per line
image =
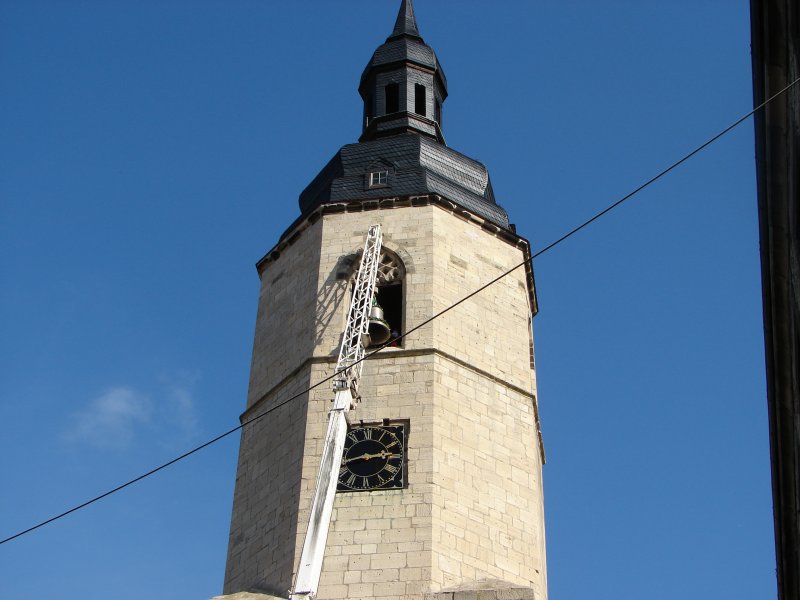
(403, 85)
(406, 23)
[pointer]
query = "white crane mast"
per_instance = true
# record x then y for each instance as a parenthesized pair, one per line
(345, 387)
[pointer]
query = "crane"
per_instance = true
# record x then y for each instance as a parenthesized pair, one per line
(345, 388)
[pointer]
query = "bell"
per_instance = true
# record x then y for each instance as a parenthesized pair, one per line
(377, 327)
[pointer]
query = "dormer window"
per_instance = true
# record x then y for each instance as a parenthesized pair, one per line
(379, 179)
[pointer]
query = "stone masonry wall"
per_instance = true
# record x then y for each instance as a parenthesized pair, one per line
(285, 323)
(490, 331)
(471, 516)
(488, 519)
(487, 504)
(380, 542)
(267, 494)
(473, 508)
(266, 498)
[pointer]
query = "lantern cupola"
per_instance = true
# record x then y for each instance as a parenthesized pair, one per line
(403, 85)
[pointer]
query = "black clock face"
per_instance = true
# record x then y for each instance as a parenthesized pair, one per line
(373, 458)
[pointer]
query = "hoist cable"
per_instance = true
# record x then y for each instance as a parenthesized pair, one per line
(417, 327)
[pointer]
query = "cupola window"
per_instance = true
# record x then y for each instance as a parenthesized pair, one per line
(392, 98)
(368, 109)
(420, 100)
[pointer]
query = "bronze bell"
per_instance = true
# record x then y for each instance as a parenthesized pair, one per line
(377, 328)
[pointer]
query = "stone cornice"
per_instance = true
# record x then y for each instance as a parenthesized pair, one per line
(391, 353)
(298, 227)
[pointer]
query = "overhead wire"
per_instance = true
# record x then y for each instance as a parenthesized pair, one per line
(395, 339)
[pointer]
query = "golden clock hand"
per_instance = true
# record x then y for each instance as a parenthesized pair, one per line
(387, 454)
(365, 456)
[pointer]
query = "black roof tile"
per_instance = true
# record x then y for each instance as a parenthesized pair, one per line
(417, 165)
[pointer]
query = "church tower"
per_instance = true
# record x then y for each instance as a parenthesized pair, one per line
(458, 507)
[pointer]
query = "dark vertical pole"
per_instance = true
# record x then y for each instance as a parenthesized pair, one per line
(776, 63)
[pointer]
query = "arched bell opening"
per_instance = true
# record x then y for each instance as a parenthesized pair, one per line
(389, 300)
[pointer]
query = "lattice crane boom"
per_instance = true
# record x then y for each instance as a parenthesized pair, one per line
(355, 332)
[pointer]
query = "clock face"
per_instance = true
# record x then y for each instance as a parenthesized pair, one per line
(373, 458)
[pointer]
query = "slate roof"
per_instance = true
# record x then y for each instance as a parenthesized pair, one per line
(404, 44)
(406, 23)
(417, 165)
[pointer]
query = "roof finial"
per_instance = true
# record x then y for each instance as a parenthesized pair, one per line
(406, 23)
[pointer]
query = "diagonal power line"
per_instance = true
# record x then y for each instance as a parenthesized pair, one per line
(550, 246)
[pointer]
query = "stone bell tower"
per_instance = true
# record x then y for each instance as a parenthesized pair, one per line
(460, 507)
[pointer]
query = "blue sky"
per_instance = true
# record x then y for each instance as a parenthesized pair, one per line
(151, 152)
